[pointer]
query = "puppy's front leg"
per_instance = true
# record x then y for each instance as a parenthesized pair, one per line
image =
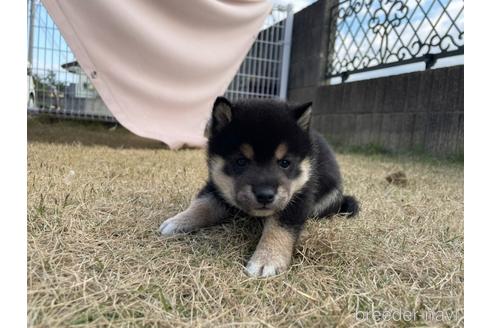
(203, 211)
(274, 251)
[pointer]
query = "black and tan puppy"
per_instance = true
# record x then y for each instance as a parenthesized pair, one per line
(265, 161)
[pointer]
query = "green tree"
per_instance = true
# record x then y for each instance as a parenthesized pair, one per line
(48, 89)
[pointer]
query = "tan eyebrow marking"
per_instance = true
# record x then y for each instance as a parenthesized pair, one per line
(247, 151)
(281, 151)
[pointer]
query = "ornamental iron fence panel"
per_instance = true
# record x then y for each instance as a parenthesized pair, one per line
(366, 35)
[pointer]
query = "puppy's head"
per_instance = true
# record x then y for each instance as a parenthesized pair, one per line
(259, 153)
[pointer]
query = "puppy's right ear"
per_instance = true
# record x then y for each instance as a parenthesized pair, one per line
(221, 116)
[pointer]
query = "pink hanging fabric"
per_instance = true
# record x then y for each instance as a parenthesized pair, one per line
(158, 65)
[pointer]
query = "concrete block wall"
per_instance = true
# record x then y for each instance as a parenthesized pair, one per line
(414, 111)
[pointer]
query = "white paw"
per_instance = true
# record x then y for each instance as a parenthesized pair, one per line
(266, 266)
(171, 226)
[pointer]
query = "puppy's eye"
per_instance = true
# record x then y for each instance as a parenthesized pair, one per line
(241, 161)
(284, 163)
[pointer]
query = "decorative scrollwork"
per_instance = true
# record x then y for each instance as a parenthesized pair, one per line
(354, 8)
(370, 34)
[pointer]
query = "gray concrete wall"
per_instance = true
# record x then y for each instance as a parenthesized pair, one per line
(416, 111)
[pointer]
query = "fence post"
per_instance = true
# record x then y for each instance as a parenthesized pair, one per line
(328, 41)
(284, 73)
(31, 30)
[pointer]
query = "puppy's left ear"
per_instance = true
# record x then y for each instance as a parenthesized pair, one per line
(302, 114)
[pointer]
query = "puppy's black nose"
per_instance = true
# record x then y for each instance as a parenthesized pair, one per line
(264, 194)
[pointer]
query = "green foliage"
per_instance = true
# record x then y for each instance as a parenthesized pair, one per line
(48, 83)
(419, 155)
(48, 89)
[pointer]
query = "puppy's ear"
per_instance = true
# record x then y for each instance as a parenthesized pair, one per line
(208, 129)
(221, 116)
(302, 114)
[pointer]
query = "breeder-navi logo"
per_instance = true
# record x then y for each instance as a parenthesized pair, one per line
(405, 315)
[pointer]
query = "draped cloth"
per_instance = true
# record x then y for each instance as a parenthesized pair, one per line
(158, 65)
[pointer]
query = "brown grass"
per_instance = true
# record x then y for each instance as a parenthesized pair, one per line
(96, 198)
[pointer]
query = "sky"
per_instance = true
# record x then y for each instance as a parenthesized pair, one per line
(50, 50)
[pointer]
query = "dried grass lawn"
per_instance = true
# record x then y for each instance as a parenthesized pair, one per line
(96, 197)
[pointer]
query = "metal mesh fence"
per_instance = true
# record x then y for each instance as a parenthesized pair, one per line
(262, 73)
(56, 84)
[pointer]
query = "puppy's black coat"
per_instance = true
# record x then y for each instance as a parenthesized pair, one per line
(264, 160)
